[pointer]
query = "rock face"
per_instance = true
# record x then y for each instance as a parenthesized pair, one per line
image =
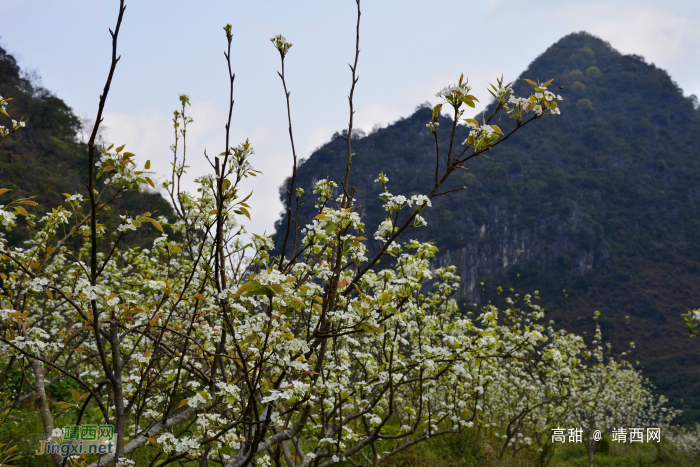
(503, 241)
(602, 201)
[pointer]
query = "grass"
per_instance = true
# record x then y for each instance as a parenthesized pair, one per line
(23, 426)
(466, 450)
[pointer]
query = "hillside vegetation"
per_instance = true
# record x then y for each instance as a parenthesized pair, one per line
(602, 203)
(46, 158)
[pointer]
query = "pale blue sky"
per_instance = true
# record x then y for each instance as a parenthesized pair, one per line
(410, 49)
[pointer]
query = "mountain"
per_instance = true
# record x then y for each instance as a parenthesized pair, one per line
(45, 158)
(602, 201)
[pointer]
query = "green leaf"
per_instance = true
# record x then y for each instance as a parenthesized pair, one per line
(244, 288)
(156, 225)
(150, 182)
(369, 328)
(242, 211)
(258, 290)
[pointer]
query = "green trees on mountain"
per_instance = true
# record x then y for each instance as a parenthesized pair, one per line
(47, 159)
(602, 203)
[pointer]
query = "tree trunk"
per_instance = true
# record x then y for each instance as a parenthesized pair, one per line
(43, 403)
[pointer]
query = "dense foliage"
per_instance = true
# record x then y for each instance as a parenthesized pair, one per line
(602, 203)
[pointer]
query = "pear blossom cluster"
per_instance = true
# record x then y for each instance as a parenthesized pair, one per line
(480, 136)
(399, 350)
(16, 125)
(543, 100)
(685, 438)
(3, 104)
(8, 217)
(692, 320)
(454, 94)
(432, 126)
(120, 167)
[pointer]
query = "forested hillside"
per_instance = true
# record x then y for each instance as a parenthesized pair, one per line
(46, 159)
(598, 209)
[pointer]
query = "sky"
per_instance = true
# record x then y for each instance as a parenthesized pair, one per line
(409, 51)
